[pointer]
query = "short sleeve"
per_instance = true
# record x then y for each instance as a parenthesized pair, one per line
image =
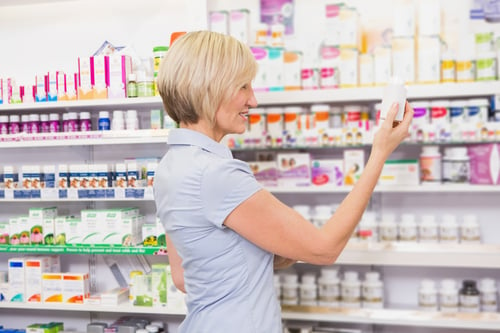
(225, 186)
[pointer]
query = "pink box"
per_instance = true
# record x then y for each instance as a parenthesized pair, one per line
(117, 71)
(98, 65)
(61, 85)
(484, 164)
(85, 90)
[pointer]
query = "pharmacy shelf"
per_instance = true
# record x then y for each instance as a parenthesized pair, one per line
(86, 105)
(86, 250)
(94, 138)
(343, 95)
(374, 94)
(93, 308)
(413, 254)
(73, 194)
(474, 321)
(437, 188)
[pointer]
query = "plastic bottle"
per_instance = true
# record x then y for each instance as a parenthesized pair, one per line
(408, 228)
(308, 290)
(132, 287)
(430, 165)
(274, 137)
(85, 123)
(131, 120)
(470, 230)
(388, 228)
(25, 123)
(456, 165)
(372, 291)
(329, 287)
(428, 229)
(44, 123)
(132, 86)
(394, 92)
(350, 290)
(448, 229)
(72, 122)
(118, 122)
(290, 291)
(427, 295)
(4, 124)
(488, 296)
(469, 297)
(104, 123)
(291, 124)
(448, 296)
(34, 123)
(367, 227)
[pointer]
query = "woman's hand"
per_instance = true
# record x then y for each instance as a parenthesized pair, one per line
(390, 133)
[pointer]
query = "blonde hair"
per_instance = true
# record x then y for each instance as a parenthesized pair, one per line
(201, 71)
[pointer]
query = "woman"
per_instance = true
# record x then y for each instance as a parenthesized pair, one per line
(225, 233)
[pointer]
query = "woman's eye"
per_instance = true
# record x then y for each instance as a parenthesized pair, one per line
(245, 86)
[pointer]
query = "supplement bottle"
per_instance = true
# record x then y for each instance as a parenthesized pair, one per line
(4, 124)
(428, 229)
(488, 291)
(132, 86)
(291, 125)
(367, 228)
(427, 295)
(44, 123)
(34, 123)
(274, 137)
(430, 165)
(469, 297)
(448, 229)
(372, 291)
(104, 123)
(350, 290)
(290, 291)
(54, 123)
(25, 123)
(72, 122)
(408, 228)
(394, 92)
(329, 287)
(448, 296)
(118, 122)
(322, 214)
(456, 165)
(470, 230)
(308, 290)
(388, 228)
(85, 123)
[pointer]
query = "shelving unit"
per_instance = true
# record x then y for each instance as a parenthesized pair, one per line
(404, 255)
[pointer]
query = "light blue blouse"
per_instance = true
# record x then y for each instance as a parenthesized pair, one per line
(228, 280)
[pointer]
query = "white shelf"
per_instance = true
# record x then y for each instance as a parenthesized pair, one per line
(438, 188)
(87, 105)
(421, 254)
(344, 95)
(92, 308)
(479, 321)
(94, 138)
(373, 94)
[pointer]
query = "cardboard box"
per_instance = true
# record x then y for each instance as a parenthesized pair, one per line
(327, 172)
(294, 169)
(400, 172)
(354, 163)
(75, 287)
(52, 287)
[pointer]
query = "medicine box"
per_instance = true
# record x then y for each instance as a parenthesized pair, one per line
(85, 89)
(354, 162)
(265, 172)
(99, 66)
(327, 172)
(34, 269)
(484, 164)
(52, 287)
(159, 273)
(4, 233)
(294, 169)
(119, 67)
(17, 281)
(75, 287)
(114, 297)
(400, 172)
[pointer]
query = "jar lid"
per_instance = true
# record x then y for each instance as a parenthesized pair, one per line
(54, 116)
(103, 114)
(14, 117)
(34, 117)
(293, 109)
(4, 119)
(44, 117)
(478, 102)
(84, 115)
(459, 103)
(430, 150)
(440, 103)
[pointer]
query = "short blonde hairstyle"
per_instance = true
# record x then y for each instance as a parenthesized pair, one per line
(200, 72)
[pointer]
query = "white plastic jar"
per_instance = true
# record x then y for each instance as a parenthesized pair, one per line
(428, 229)
(430, 165)
(408, 228)
(456, 165)
(372, 291)
(427, 295)
(290, 289)
(488, 290)
(470, 231)
(308, 290)
(350, 290)
(367, 227)
(329, 287)
(448, 296)
(448, 229)
(388, 228)
(275, 127)
(477, 111)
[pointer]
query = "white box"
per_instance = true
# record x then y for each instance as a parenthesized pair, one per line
(239, 25)
(34, 268)
(403, 58)
(120, 66)
(114, 297)
(429, 59)
(52, 287)
(400, 172)
(75, 287)
(294, 169)
(17, 292)
(354, 163)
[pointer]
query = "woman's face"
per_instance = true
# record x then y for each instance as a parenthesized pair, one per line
(231, 117)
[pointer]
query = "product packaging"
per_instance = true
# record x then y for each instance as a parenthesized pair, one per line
(294, 169)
